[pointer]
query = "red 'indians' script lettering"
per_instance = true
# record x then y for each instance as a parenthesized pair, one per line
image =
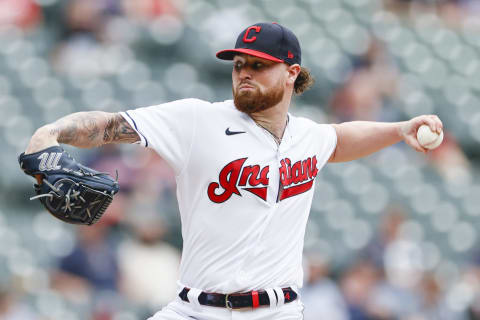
(297, 178)
(235, 175)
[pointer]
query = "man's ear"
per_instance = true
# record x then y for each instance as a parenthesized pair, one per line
(293, 72)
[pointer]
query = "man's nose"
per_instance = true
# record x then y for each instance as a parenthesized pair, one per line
(245, 74)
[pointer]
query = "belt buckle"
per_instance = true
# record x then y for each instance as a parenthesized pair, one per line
(228, 303)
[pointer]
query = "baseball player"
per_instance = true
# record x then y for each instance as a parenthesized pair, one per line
(245, 171)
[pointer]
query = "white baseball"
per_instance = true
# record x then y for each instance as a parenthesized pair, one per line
(427, 138)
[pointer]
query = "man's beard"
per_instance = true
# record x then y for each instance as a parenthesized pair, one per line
(255, 101)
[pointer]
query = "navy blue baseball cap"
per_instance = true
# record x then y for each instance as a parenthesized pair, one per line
(269, 41)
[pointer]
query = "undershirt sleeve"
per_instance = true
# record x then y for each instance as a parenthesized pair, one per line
(166, 128)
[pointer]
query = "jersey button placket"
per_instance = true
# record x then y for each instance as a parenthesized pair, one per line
(278, 183)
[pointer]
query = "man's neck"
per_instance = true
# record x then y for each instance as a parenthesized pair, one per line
(274, 119)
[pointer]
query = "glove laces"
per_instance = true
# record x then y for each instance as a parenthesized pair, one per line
(72, 194)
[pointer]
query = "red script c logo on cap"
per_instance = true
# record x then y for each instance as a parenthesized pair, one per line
(252, 39)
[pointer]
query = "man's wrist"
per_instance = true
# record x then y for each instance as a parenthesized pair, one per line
(44, 137)
(400, 129)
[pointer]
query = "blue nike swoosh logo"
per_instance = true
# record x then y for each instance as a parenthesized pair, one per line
(231, 133)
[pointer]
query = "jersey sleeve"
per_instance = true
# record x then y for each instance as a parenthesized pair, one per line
(166, 128)
(327, 137)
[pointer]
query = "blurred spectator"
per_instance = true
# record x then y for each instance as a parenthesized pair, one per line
(453, 12)
(450, 160)
(388, 232)
(399, 261)
(146, 180)
(80, 51)
(83, 17)
(153, 184)
(364, 95)
(472, 6)
(392, 300)
(320, 295)
(94, 27)
(357, 284)
(109, 159)
(432, 301)
(25, 14)
(358, 98)
(152, 173)
(151, 9)
(472, 278)
(12, 309)
(148, 264)
(91, 269)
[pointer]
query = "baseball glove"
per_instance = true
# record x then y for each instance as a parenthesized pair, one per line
(70, 191)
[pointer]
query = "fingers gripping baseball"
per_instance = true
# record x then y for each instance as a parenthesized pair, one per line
(410, 128)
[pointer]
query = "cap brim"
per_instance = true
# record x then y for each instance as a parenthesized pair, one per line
(229, 54)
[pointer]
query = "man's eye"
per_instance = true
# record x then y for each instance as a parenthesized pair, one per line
(237, 66)
(257, 65)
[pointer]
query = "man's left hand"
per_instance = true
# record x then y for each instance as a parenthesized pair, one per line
(408, 130)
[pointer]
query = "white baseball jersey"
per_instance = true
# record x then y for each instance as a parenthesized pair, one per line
(244, 201)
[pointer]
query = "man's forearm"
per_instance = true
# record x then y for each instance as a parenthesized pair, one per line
(84, 130)
(358, 139)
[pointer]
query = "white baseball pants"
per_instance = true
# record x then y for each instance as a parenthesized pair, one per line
(181, 310)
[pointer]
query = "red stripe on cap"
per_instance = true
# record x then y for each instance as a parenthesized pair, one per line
(228, 54)
(255, 302)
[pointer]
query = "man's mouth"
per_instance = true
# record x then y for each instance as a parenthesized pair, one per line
(245, 86)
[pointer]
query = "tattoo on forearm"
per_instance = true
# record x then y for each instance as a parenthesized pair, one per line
(85, 129)
(90, 124)
(77, 126)
(67, 133)
(118, 130)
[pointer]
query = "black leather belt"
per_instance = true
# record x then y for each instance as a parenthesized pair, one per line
(252, 299)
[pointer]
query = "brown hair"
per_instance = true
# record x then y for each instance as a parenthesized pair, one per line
(303, 82)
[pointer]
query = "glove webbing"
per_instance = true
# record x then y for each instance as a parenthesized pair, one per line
(74, 195)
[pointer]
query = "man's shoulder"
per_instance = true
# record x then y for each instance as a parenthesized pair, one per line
(302, 122)
(188, 105)
(226, 105)
(307, 125)
(186, 102)
(224, 108)
(222, 105)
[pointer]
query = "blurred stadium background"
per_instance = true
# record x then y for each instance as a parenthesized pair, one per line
(393, 236)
